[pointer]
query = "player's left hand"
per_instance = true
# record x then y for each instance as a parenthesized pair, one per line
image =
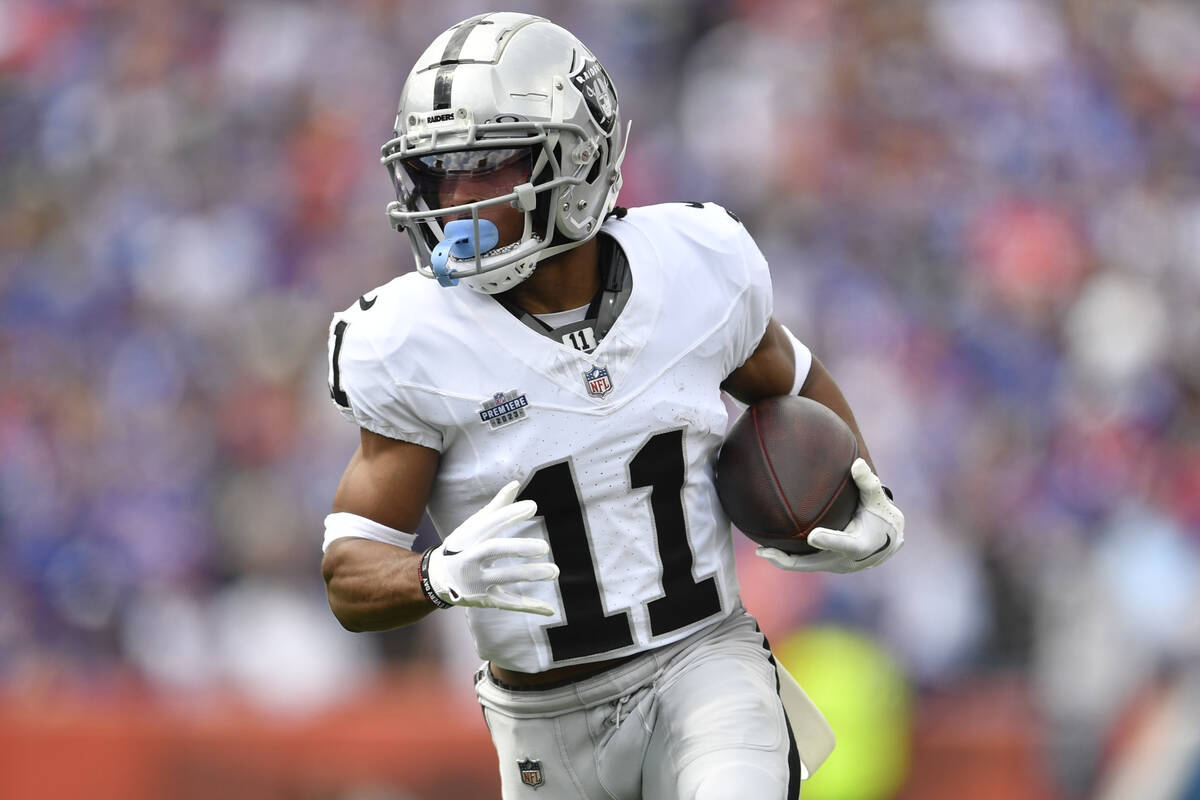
(871, 537)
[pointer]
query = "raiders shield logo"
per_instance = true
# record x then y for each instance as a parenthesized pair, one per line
(598, 90)
(598, 382)
(531, 772)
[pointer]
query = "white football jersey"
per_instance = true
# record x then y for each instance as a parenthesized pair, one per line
(617, 447)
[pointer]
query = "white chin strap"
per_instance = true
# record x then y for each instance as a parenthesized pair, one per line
(502, 279)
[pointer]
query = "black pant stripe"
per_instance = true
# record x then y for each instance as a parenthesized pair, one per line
(794, 773)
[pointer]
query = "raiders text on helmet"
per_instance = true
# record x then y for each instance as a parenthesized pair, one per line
(490, 86)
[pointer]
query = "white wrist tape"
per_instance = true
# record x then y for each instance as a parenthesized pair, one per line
(803, 360)
(344, 524)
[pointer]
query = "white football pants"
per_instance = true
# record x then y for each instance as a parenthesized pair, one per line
(700, 719)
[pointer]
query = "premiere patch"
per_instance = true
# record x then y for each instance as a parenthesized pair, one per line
(504, 408)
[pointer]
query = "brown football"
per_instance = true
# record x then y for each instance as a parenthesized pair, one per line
(784, 469)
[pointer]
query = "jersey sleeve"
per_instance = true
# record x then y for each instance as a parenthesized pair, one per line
(365, 390)
(754, 304)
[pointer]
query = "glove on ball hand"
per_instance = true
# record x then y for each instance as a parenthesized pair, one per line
(874, 534)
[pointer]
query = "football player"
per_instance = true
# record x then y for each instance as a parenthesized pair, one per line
(548, 385)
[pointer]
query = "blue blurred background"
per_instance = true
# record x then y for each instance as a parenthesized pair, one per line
(982, 215)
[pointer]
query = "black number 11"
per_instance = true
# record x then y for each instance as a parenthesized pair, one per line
(587, 630)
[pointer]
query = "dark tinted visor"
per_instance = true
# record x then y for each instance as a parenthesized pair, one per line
(464, 176)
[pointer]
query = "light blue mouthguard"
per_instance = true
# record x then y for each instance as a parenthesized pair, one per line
(459, 242)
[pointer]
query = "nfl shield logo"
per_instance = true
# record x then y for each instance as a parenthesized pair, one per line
(531, 772)
(598, 382)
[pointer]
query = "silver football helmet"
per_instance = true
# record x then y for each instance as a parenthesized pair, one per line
(518, 106)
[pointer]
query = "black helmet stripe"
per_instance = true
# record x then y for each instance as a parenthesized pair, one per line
(444, 79)
(441, 86)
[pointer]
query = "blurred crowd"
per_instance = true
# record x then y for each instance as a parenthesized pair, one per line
(982, 215)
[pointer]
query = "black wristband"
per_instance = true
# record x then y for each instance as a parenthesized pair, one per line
(426, 585)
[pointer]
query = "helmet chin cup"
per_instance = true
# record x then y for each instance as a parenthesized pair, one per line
(460, 242)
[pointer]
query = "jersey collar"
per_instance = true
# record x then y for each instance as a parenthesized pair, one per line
(619, 348)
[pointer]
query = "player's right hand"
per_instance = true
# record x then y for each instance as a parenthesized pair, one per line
(873, 536)
(462, 570)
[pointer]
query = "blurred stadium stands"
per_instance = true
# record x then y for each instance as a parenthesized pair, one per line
(983, 215)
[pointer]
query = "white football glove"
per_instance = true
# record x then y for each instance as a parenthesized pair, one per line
(462, 570)
(874, 534)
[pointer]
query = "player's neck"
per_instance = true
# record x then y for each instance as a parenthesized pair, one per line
(568, 280)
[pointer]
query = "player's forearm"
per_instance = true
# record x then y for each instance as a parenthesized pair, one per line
(373, 586)
(821, 387)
